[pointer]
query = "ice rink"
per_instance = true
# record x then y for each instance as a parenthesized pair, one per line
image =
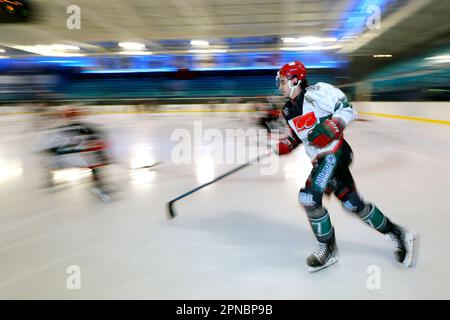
(245, 237)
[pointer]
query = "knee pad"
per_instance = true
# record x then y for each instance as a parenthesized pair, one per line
(353, 203)
(310, 199)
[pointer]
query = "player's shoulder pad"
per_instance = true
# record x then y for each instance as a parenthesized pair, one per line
(318, 91)
(319, 88)
(314, 92)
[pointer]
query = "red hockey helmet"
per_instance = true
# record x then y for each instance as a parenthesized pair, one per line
(294, 69)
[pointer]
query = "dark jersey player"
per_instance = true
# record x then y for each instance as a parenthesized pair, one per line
(77, 144)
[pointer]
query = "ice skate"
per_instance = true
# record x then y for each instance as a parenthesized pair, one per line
(405, 245)
(102, 194)
(324, 256)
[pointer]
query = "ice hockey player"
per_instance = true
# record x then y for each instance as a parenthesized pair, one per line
(77, 144)
(269, 115)
(317, 116)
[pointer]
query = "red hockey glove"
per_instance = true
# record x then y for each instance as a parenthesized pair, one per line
(283, 147)
(326, 132)
(95, 145)
(286, 145)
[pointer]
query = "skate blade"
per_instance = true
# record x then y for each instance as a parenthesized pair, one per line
(106, 199)
(413, 243)
(103, 197)
(331, 261)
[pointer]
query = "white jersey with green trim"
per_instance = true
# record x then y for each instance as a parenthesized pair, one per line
(314, 105)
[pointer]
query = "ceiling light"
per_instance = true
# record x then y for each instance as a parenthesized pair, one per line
(308, 40)
(2, 51)
(311, 48)
(133, 46)
(444, 57)
(200, 43)
(439, 59)
(64, 47)
(46, 50)
(208, 51)
(137, 53)
(382, 55)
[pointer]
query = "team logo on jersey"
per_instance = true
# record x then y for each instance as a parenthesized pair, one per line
(305, 122)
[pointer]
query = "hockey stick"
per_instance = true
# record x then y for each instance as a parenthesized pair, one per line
(170, 209)
(148, 166)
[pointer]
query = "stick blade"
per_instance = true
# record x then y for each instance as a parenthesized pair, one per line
(170, 210)
(152, 165)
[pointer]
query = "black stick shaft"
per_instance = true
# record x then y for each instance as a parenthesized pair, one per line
(171, 211)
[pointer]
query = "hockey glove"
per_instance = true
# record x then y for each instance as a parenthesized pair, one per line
(326, 132)
(283, 147)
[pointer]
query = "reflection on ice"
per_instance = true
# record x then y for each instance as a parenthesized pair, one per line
(205, 168)
(142, 177)
(298, 169)
(10, 170)
(71, 175)
(141, 156)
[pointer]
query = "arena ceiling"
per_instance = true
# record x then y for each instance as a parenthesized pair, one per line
(249, 25)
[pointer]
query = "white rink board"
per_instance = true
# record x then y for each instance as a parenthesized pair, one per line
(428, 110)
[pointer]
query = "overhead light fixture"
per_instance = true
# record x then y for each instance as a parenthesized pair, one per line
(135, 53)
(132, 46)
(311, 48)
(2, 51)
(308, 40)
(443, 57)
(64, 47)
(199, 43)
(382, 55)
(208, 51)
(439, 59)
(46, 50)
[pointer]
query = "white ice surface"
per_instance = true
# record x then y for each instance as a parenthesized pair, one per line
(245, 237)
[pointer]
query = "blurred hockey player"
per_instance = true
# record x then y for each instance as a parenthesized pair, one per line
(269, 116)
(317, 116)
(76, 144)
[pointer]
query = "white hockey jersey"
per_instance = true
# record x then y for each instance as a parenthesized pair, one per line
(312, 106)
(74, 145)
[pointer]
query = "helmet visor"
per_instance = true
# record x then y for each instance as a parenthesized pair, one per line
(280, 81)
